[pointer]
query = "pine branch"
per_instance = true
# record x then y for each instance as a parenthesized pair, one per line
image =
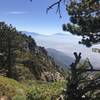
(58, 4)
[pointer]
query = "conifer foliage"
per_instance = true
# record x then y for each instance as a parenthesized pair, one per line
(84, 19)
(7, 47)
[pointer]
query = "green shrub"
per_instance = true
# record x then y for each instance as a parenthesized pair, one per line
(19, 97)
(35, 94)
(44, 90)
(29, 90)
(10, 87)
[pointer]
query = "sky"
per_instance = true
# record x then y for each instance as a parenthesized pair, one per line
(31, 16)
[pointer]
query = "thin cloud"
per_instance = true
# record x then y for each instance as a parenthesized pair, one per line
(16, 12)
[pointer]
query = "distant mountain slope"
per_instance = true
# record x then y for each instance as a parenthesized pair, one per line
(30, 33)
(60, 58)
(61, 34)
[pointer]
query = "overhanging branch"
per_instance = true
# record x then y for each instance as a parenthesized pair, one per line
(58, 4)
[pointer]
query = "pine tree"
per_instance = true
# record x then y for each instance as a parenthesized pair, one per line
(84, 19)
(83, 82)
(7, 46)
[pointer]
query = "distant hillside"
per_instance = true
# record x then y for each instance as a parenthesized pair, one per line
(30, 33)
(61, 34)
(22, 59)
(60, 58)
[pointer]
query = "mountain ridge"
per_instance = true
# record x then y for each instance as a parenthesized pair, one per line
(60, 58)
(60, 34)
(30, 33)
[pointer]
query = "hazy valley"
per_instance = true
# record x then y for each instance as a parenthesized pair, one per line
(67, 44)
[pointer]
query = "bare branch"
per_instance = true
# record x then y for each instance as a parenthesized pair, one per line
(58, 3)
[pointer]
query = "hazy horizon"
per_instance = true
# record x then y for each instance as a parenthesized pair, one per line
(68, 44)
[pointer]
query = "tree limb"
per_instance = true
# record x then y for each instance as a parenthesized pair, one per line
(58, 3)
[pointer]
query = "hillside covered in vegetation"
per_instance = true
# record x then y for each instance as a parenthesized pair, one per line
(21, 58)
(26, 70)
(11, 89)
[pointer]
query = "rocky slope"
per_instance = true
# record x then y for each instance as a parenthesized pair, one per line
(29, 61)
